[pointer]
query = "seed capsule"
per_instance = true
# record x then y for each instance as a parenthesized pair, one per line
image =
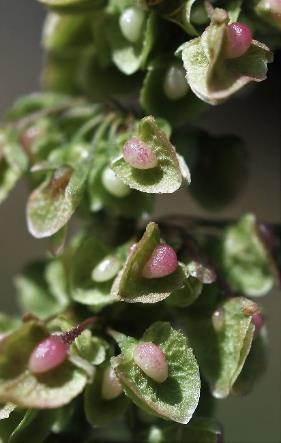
(175, 83)
(237, 41)
(139, 155)
(131, 23)
(113, 184)
(152, 361)
(48, 354)
(110, 388)
(106, 269)
(162, 262)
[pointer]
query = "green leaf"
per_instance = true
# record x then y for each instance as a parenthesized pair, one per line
(129, 57)
(46, 391)
(234, 9)
(131, 287)
(222, 349)
(7, 323)
(53, 203)
(89, 253)
(154, 100)
(212, 77)
(166, 177)
(99, 411)
(244, 259)
(176, 399)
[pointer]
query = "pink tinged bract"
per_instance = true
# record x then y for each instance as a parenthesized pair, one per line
(139, 155)
(238, 40)
(152, 361)
(111, 388)
(48, 354)
(162, 262)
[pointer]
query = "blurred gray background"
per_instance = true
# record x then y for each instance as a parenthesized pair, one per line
(256, 117)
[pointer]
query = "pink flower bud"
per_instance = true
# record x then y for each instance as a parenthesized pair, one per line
(162, 262)
(48, 354)
(110, 388)
(151, 359)
(275, 6)
(238, 40)
(139, 155)
(258, 321)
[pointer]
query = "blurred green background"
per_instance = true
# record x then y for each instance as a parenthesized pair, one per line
(256, 117)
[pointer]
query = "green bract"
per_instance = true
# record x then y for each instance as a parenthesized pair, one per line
(154, 100)
(42, 289)
(127, 56)
(167, 177)
(89, 253)
(131, 287)
(53, 203)
(99, 411)
(176, 399)
(185, 296)
(19, 386)
(213, 78)
(245, 260)
(222, 349)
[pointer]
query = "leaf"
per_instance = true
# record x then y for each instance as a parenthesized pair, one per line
(211, 77)
(222, 351)
(234, 9)
(53, 203)
(99, 411)
(129, 57)
(176, 399)
(244, 259)
(131, 287)
(87, 256)
(17, 385)
(166, 177)
(154, 100)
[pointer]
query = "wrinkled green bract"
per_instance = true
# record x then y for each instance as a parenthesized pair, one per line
(131, 287)
(175, 399)
(221, 351)
(166, 177)
(245, 260)
(20, 386)
(211, 77)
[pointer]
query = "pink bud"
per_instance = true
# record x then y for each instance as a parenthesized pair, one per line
(110, 388)
(48, 354)
(258, 321)
(162, 262)
(238, 40)
(139, 155)
(275, 6)
(151, 359)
